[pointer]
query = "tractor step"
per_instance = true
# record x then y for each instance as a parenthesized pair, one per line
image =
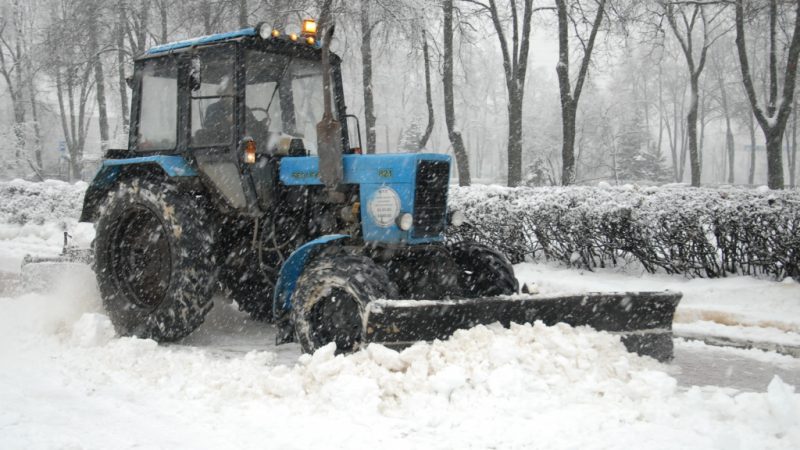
(642, 319)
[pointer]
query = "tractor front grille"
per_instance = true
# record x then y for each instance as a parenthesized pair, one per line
(430, 200)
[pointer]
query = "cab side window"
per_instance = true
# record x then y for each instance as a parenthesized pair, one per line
(213, 99)
(158, 115)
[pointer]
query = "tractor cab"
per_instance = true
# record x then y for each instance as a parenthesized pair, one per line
(227, 100)
(218, 90)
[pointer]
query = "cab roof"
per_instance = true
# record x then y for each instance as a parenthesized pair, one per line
(211, 38)
(280, 43)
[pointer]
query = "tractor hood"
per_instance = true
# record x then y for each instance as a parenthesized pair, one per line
(390, 185)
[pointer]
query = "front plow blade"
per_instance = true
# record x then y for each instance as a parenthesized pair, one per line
(42, 274)
(642, 319)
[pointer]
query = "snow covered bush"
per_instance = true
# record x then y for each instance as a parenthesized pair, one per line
(23, 202)
(699, 232)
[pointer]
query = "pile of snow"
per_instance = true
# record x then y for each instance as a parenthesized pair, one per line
(66, 380)
(24, 202)
(34, 217)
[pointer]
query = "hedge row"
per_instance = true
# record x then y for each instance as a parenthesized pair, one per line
(25, 202)
(700, 232)
(679, 230)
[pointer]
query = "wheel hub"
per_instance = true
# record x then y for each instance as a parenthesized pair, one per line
(141, 260)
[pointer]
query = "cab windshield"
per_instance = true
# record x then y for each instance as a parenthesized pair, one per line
(284, 101)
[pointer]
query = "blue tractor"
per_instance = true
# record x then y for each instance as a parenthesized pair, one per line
(238, 175)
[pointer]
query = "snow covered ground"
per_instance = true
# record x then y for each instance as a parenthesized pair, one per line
(736, 307)
(67, 382)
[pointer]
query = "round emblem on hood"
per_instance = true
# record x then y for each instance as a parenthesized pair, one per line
(384, 206)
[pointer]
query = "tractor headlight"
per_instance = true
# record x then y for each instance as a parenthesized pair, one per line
(404, 221)
(264, 31)
(457, 218)
(309, 28)
(249, 155)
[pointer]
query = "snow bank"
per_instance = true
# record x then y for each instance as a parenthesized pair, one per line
(67, 381)
(34, 217)
(25, 202)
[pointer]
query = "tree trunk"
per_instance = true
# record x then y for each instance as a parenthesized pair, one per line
(462, 161)
(793, 162)
(428, 94)
(19, 123)
(37, 132)
(730, 147)
(774, 157)
(660, 109)
(242, 13)
(123, 85)
(99, 79)
(144, 19)
(751, 177)
(568, 145)
(205, 11)
(514, 139)
(694, 155)
(366, 77)
(672, 133)
(162, 10)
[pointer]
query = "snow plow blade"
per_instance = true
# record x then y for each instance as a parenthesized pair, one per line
(40, 274)
(642, 319)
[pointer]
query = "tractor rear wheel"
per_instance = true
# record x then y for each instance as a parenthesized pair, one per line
(330, 299)
(482, 271)
(154, 260)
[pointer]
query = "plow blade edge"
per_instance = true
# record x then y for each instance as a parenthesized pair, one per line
(642, 319)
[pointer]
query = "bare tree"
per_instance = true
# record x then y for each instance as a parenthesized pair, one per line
(71, 68)
(12, 58)
(515, 68)
(428, 94)
(93, 11)
(462, 162)
(793, 154)
(366, 74)
(119, 34)
(720, 66)
(569, 97)
(686, 20)
(773, 120)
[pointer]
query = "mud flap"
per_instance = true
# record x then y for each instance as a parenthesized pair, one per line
(642, 319)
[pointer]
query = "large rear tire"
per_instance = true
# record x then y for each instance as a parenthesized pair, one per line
(482, 271)
(330, 299)
(154, 260)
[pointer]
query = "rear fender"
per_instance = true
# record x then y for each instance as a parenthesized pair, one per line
(114, 170)
(293, 268)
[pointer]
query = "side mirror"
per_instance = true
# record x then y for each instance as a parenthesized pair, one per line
(194, 73)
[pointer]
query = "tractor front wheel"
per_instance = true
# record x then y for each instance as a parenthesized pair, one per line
(482, 271)
(154, 260)
(330, 299)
